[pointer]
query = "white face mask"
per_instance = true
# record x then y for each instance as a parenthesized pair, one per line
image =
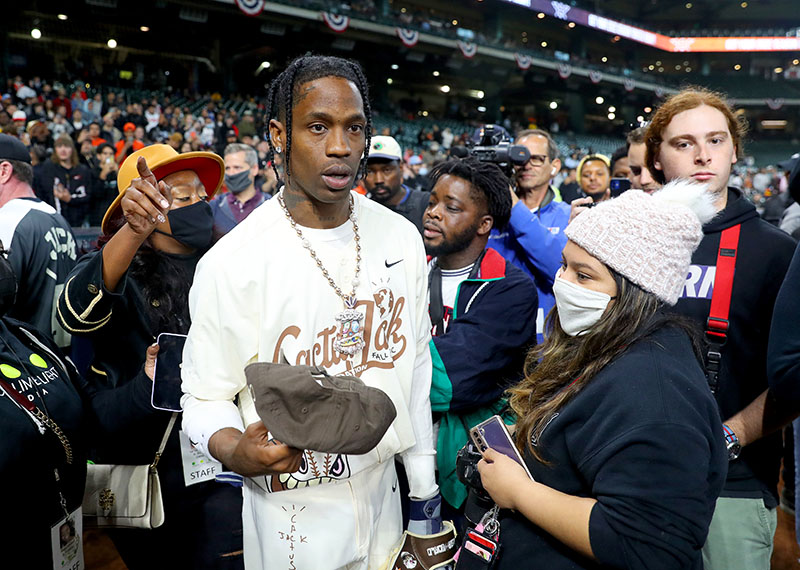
(579, 308)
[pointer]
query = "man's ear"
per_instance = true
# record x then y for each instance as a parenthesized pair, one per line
(485, 225)
(277, 134)
(656, 163)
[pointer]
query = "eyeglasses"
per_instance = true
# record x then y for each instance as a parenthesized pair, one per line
(538, 159)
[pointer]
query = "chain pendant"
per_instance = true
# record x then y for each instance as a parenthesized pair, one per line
(350, 334)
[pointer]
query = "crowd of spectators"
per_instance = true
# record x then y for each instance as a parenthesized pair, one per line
(78, 139)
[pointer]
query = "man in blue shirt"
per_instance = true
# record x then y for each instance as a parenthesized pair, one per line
(534, 237)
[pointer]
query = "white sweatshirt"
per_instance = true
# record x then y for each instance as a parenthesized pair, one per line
(258, 292)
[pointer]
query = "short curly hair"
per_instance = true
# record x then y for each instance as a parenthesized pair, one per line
(488, 184)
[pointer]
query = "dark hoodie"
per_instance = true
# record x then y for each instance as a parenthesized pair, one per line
(764, 253)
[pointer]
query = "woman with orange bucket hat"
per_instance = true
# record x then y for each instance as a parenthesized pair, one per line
(121, 298)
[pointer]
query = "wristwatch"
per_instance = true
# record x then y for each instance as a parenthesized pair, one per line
(732, 443)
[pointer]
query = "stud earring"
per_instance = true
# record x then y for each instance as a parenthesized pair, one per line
(278, 149)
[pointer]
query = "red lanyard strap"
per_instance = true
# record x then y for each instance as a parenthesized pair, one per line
(17, 397)
(718, 324)
(40, 416)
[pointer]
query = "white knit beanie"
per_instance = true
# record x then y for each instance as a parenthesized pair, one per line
(648, 238)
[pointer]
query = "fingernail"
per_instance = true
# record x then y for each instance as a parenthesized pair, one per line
(161, 218)
(164, 204)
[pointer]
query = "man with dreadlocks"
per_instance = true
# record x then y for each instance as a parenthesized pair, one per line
(483, 308)
(344, 263)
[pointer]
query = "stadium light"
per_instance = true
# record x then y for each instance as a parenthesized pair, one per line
(778, 70)
(389, 81)
(648, 109)
(737, 67)
(262, 66)
(612, 109)
(36, 33)
(112, 43)
(541, 16)
(62, 17)
(640, 119)
(436, 74)
(144, 29)
(795, 61)
(395, 66)
(481, 109)
(444, 89)
(553, 105)
(544, 44)
(604, 59)
(611, 116)
(599, 100)
(571, 25)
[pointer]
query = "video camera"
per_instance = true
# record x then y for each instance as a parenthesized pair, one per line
(494, 145)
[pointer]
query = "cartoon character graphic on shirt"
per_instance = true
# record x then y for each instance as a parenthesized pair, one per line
(383, 344)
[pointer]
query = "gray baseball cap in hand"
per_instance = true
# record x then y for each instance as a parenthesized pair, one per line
(306, 408)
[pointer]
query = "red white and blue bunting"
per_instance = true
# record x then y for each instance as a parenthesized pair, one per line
(250, 7)
(595, 77)
(629, 84)
(336, 22)
(564, 70)
(774, 104)
(469, 49)
(408, 37)
(523, 61)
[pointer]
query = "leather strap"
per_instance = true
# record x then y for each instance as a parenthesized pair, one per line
(164, 439)
(717, 324)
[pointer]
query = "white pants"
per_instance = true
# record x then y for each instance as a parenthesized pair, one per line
(353, 523)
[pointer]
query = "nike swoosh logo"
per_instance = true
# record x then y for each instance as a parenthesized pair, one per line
(393, 263)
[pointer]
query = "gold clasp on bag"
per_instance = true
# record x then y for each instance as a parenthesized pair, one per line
(106, 499)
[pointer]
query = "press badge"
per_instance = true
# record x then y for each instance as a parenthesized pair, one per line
(197, 467)
(66, 539)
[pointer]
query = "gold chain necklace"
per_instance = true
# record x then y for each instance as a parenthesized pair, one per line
(350, 334)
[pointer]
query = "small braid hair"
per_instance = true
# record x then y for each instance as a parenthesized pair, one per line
(280, 100)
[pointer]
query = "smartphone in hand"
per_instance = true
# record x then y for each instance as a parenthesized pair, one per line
(166, 394)
(493, 433)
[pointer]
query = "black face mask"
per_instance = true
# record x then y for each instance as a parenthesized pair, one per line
(239, 182)
(191, 225)
(8, 283)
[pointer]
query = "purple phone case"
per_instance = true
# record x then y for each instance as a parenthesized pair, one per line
(494, 434)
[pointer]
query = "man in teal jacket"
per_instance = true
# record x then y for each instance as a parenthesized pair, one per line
(483, 308)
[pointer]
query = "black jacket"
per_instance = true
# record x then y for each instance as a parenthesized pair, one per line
(78, 180)
(763, 256)
(644, 439)
(27, 458)
(783, 354)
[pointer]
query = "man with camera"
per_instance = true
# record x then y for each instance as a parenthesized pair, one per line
(534, 237)
(482, 307)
